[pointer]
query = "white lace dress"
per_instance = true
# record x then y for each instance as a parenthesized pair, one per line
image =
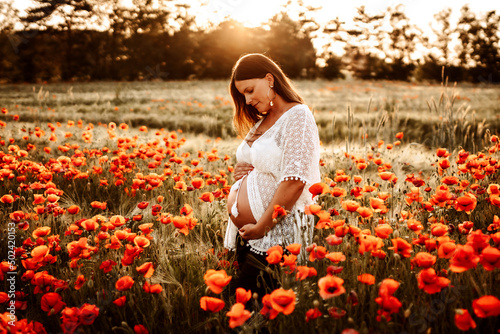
(289, 150)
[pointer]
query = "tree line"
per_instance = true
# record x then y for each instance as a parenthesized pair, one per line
(65, 40)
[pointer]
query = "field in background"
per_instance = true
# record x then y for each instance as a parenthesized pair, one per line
(428, 114)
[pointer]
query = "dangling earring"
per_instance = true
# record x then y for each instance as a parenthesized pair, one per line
(270, 100)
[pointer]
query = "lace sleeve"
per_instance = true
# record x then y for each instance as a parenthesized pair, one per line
(300, 144)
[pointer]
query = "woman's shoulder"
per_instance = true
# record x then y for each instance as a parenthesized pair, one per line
(300, 111)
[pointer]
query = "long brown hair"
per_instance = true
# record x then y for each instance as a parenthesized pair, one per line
(256, 66)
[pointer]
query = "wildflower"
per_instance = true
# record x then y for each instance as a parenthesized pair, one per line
(335, 257)
(446, 249)
(312, 314)
(143, 205)
(278, 212)
(463, 259)
(366, 279)
(304, 272)
(350, 205)
(211, 304)
(52, 303)
(294, 248)
(466, 203)
(120, 302)
(207, 197)
(238, 315)
(401, 246)
(153, 289)
(243, 296)
(80, 280)
(383, 231)
(486, 306)
(216, 280)
(330, 286)
(319, 189)
(146, 269)
(463, 320)
(424, 259)
(7, 199)
(124, 283)
(283, 301)
(430, 282)
(267, 309)
(490, 258)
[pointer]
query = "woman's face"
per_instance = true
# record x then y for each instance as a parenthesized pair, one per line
(255, 92)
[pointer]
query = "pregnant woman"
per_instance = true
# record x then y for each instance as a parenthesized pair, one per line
(277, 162)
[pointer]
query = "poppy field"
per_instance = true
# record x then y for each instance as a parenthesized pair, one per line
(113, 215)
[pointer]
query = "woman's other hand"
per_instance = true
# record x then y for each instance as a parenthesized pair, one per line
(251, 231)
(241, 169)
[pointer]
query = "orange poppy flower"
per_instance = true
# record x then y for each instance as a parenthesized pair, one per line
(466, 203)
(216, 280)
(120, 302)
(41, 232)
(304, 272)
(147, 269)
(74, 209)
(365, 212)
(402, 247)
(446, 249)
(211, 304)
(39, 252)
(207, 197)
(333, 240)
(366, 279)
(152, 288)
(319, 189)
(350, 205)
(243, 296)
(117, 220)
(107, 265)
(141, 241)
(336, 257)
(463, 320)
(278, 212)
(80, 280)
(274, 254)
(383, 231)
(52, 303)
(464, 258)
(98, 205)
(238, 315)
(283, 300)
(486, 306)
(312, 209)
(424, 259)
(439, 229)
(197, 183)
(444, 163)
(430, 282)
(7, 199)
(316, 252)
(490, 258)
(442, 152)
(294, 248)
(330, 286)
(124, 283)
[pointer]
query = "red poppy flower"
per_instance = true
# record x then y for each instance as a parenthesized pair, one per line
(319, 189)
(153, 289)
(283, 300)
(120, 302)
(7, 199)
(238, 315)
(383, 231)
(88, 313)
(52, 303)
(335, 257)
(197, 183)
(490, 258)
(350, 205)
(143, 205)
(294, 248)
(463, 259)
(466, 203)
(312, 314)
(207, 197)
(275, 254)
(402, 247)
(243, 296)
(366, 279)
(463, 320)
(278, 212)
(80, 280)
(74, 209)
(304, 272)
(424, 259)
(211, 304)
(330, 286)
(430, 282)
(486, 306)
(124, 283)
(216, 280)
(147, 269)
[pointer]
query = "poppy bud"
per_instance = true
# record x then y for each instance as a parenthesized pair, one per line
(397, 256)
(395, 234)
(269, 270)
(316, 303)
(255, 296)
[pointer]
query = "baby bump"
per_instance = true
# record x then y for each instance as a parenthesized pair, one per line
(239, 197)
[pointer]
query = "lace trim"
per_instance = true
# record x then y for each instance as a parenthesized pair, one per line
(293, 178)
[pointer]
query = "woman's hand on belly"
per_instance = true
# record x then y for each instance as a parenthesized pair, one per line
(252, 231)
(241, 169)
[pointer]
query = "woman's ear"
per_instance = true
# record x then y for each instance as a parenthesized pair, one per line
(270, 79)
